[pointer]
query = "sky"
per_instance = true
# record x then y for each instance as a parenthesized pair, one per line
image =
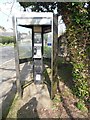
(7, 9)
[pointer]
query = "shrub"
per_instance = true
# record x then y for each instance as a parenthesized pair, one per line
(80, 80)
(47, 51)
(6, 40)
(81, 106)
(78, 53)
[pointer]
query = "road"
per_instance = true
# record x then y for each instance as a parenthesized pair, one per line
(7, 77)
(6, 54)
(7, 64)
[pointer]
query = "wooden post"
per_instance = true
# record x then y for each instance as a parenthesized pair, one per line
(16, 49)
(33, 49)
(42, 39)
(42, 49)
(54, 57)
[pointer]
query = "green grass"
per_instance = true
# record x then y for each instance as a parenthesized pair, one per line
(10, 44)
(13, 111)
(81, 106)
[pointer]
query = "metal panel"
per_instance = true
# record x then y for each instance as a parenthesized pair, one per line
(37, 29)
(46, 28)
(34, 14)
(34, 21)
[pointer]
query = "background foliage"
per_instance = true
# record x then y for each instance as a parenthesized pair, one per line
(6, 40)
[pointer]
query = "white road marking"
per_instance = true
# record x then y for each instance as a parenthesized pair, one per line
(6, 62)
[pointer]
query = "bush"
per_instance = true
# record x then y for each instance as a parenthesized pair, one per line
(77, 45)
(6, 40)
(47, 52)
(81, 106)
(80, 79)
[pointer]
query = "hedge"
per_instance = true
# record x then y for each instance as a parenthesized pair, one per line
(6, 40)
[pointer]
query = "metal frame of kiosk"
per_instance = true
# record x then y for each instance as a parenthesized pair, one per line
(38, 23)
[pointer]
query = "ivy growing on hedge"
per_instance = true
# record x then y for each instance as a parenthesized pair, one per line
(77, 45)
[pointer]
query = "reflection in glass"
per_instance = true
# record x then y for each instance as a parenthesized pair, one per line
(47, 45)
(37, 38)
(24, 40)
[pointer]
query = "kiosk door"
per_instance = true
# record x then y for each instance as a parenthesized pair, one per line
(24, 53)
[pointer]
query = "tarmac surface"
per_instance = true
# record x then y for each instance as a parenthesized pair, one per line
(6, 53)
(7, 84)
